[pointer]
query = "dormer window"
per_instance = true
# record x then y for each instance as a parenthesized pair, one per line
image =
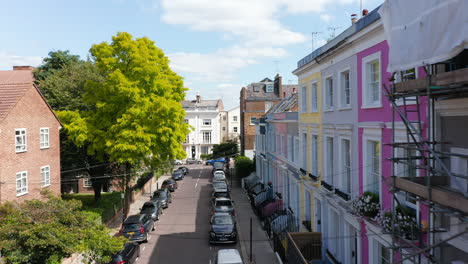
(270, 88)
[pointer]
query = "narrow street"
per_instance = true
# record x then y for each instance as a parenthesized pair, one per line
(181, 236)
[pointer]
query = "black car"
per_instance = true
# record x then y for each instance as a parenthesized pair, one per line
(153, 209)
(184, 169)
(220, 185)
(128, 255)
(223, 205)
(220, 193)
(137, 227)
(193, 161)
(170, 184)
(223, 228)
(178, 175)
(162, 195)
(218, 165)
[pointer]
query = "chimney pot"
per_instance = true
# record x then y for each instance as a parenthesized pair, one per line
(198, 98)
(23, 68)
(353, 18)
(365, 12)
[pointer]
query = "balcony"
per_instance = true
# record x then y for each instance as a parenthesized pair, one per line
(439, 192)
(303, 248)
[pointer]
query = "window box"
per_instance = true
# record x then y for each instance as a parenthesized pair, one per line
(303, 171)
(342, 194)
(366, 205)
(327, 186)
(313, 177)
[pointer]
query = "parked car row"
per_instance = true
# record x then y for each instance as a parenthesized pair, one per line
(138, 227)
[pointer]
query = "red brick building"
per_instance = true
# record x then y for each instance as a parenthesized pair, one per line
(256, 99)
(29, 139)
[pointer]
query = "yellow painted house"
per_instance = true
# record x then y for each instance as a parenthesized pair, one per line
(310, 120)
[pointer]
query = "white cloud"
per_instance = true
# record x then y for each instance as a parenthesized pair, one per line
(326, 17)
(8, 60)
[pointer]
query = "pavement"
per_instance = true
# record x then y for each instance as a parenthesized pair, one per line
(181, 236)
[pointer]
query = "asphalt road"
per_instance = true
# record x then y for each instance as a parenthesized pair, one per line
(181, 236)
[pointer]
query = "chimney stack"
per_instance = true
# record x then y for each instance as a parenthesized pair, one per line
(23, 68)
(198, 98)
(365, 12)
(353, 18)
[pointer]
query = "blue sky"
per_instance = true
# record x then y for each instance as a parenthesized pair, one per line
(218, 46)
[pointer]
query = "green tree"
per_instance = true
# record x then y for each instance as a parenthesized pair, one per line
(226, 149)
(135, 114)
(48, 231)
(55, 61)
(244, 166)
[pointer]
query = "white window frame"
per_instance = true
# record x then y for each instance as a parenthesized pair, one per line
(87, 182)
(374, 250)
(207, 140)
(304, 140)
(314, 151)
(268, 105)
(334, 232)
(270, 88)
(22, 188)
(296, 150)
(22, 147)
(329, 164)
(254, 119)
(345, 183)
(328, 91)
(44, 137)
(365, 85)
(234, 129)
(234, 118)
(45, 176)
(342, 90)
(206, 122)
(314, 96)
(371, 134)
(303, 99)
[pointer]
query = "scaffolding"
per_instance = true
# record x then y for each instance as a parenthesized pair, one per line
(416, 238)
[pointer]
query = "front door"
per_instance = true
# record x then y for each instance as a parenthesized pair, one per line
(318, 216)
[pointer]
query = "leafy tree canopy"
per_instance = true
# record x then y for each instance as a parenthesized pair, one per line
(46, 232)
(225, 149)
(136, 111)
(56, 60)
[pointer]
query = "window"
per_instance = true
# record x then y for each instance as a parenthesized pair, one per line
(296, 151)
(407, 75)
(207, 137)
(234, 118)
(371, 81)
(235, 129)
(45, 176)
(314, 155)
(224, 117)
(207, 122)
(345, 89)
(290, 148)
(87, 183)
(304, 151)
(186, 121)
(373, 166)
(330, 160)
(303, 99)
(308, 211)
(346, 165)
(187, 139)
(21, 183)
(269, 88)
(329, 93)
(334, 229)
(44, 137)
(383, 255)
(253, 120)
(313, 97)
(268, 105)
(20, 140)
(224, 128)
(204, 150)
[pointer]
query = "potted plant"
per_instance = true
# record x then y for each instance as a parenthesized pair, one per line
(366, 205)
(404, 222)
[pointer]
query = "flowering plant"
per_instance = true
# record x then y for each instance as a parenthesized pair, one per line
(404, 222)
(366, 205)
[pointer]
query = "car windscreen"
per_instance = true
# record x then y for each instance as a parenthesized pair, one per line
(219, 184)
(221, 194)
(223, 203)
(222, 220)
(159, 195)
(219, 177)
(148, 206)
(131, 227)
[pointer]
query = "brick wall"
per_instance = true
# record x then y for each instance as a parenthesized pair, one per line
(32, 113)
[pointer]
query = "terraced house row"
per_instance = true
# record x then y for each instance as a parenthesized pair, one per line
(374, 158)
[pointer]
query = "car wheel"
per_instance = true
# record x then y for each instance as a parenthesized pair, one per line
(146, 238)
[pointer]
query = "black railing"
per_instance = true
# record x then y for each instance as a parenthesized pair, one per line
(278, 246)
(313, 177)
(327, 186)
(303, 171)
(333, 259)
(342, 194)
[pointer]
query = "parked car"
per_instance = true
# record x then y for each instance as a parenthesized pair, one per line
(210, 162)
(170, 184)
(219, 166)
(162, 195)
(178, 175)
(219, 177)
(223, 205)
(193, 161)
(223, 228)
(228, 256)
(220, 185)
(218, 172)
(184, 169)
(137, 227)
(128, 255)
(153, 209)
(221, 193)
(177, 162)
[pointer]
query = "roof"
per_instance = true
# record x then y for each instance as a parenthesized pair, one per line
(134, 219)
(338, 40)
(13, 85)
(226, 256)
(286, 105)
(203, 103)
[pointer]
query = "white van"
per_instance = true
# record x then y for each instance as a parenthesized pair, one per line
(228, 256)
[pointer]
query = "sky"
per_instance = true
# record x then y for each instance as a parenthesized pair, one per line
(218, 46)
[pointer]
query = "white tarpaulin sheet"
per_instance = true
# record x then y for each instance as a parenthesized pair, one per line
(421, 32)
